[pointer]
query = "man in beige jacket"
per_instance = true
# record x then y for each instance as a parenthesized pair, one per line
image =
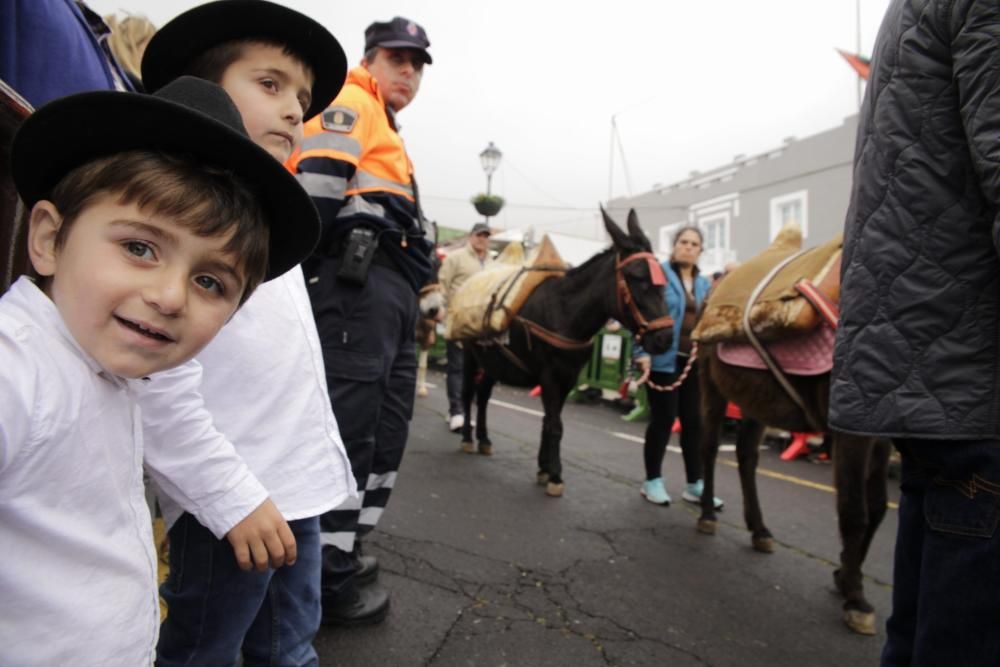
(457, 267)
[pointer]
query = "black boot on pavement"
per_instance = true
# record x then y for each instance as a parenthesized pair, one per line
(358, 605)
(366, 570)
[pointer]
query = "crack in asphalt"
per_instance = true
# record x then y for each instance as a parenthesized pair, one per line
(526, 447)
(540, 597)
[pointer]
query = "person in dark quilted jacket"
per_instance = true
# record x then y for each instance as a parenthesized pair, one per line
(917, 355)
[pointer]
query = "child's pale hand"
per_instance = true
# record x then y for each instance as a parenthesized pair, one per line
(263, 538)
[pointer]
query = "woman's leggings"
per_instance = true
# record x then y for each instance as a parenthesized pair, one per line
(664, 407)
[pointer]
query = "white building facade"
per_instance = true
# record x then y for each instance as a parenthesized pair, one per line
(741, 206)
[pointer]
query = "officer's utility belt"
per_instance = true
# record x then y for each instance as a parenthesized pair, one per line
(357, 251)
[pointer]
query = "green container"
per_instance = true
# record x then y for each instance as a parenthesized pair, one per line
(609, 362)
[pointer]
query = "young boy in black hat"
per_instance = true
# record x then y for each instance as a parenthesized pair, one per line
(261, 383)
(152, 219)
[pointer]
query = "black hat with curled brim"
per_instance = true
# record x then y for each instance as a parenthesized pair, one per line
(174, 47)
(189, 117)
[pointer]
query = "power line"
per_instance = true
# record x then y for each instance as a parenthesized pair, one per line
(509, 163)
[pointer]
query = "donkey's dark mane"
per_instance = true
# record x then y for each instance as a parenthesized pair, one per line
(586, 265)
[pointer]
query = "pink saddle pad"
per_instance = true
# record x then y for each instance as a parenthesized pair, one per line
(805, 354)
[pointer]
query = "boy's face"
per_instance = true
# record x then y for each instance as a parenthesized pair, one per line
(139, 293)
(272, 90)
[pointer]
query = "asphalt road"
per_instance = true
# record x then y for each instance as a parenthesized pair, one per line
(484, 569)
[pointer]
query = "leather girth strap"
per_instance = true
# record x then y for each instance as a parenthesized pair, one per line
(551, 337)
(769, 361)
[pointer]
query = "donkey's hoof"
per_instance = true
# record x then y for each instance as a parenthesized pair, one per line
(861, 622)
(542, 478)
(707, 526)
(422, 392)
(763, 544)
(468, 447)
(554, 489)
(486, 448)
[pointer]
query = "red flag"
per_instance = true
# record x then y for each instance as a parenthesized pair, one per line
(860, 64)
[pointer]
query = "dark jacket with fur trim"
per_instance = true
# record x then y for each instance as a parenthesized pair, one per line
(918, 349)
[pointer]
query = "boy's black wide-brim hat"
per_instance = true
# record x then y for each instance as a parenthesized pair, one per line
(188, 117)
(175, 46)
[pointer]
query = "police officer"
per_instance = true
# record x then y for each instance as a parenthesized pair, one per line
(373, 258)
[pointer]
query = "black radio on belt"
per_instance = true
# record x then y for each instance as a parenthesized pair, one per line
(358, 253)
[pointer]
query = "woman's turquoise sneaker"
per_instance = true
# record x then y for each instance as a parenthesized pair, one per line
(692, 494)
(654, 491)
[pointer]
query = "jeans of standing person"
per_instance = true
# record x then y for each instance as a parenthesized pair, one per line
(456, 356)
(664, 407)
(946, 575)
(215, 610)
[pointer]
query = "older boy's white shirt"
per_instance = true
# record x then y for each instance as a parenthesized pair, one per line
(263, 384)
(78, 581)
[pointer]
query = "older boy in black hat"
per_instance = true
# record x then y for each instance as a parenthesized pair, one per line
(261, 383)
(363, 281)
(149, 226)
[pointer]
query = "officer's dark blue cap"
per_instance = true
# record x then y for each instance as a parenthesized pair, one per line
(399, 33)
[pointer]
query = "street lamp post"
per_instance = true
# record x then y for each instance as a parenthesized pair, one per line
(490, 159)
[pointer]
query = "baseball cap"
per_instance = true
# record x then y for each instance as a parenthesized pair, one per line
(399, 33)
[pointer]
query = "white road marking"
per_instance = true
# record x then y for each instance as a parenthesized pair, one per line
(518, 408)
(677, 450)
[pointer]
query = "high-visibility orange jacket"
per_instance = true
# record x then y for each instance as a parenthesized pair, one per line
(354, 165)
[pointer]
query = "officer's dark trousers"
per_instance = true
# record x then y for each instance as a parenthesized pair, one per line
(367, 334)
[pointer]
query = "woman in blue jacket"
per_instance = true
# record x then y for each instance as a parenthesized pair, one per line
(685, 294)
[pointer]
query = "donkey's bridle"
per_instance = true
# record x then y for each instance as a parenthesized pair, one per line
(624, 293)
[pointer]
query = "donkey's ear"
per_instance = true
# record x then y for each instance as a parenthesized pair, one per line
(633, 224)
(618, 237)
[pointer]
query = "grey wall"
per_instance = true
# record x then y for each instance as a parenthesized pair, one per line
(742, 192)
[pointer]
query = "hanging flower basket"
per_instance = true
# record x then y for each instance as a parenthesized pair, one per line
(487, 205)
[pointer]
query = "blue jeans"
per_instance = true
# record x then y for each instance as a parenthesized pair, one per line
(946, 579)
(215, 609)
(456, 359)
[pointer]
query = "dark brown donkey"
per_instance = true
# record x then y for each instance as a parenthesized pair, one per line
(549, 340)
(860, 464)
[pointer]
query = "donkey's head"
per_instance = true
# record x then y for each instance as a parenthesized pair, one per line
(639, 284)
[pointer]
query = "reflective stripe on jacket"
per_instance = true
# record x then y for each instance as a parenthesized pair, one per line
(354, 165)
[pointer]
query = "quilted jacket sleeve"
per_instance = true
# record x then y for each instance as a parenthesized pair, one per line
(975, 42)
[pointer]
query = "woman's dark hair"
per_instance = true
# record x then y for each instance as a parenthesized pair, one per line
(688, 228)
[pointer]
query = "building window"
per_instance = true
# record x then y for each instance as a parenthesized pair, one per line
(793, 207)
(716, 231)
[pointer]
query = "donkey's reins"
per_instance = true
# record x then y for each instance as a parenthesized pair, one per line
(692, 357)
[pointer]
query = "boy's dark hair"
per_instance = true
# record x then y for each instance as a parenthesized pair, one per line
(213, 62)
(206, 200)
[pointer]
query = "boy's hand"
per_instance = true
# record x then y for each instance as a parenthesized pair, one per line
(261, 538)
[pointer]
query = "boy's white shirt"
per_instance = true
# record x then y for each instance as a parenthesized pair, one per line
(262, 383)
(78, 581)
